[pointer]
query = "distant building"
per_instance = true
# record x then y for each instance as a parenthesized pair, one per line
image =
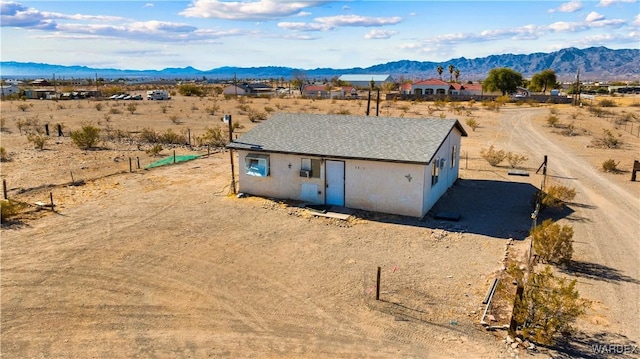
(248, 89)
(365, 80)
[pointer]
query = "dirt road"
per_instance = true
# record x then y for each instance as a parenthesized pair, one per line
(606, 221)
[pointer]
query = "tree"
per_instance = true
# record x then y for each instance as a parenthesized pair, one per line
(440, 70)
(456, 74)
(502, 79)
(451, 68)
(298, 80)
(542, 81)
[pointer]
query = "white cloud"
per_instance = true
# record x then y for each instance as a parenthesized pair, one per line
(332, 22)
(14, 14)
(379, 34)
(606, 3)
(594, 16)
(636, 21)
(253, 10)
(571, 6)
(149, 5)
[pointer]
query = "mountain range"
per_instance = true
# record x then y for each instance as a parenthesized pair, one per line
(594, 63)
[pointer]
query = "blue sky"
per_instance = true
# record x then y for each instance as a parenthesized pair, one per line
(207, 34)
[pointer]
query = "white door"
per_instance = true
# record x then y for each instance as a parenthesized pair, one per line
(334, 171)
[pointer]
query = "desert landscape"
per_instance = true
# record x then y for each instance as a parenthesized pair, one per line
(165, 262)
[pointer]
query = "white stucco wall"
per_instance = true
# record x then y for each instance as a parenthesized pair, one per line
(384, 187)
(283, 181)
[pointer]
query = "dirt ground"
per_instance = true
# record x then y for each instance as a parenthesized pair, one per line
(163, 263)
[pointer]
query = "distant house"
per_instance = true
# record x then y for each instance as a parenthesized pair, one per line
(343, 92)
(39, 82)
(472, 89)
(383, 164)
(248, 89)
(364, 81)
(431, 87)
(318, 91)
(8, 90)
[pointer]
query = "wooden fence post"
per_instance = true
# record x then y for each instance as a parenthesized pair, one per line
(4, 188)
(51, 199)
(378, 285)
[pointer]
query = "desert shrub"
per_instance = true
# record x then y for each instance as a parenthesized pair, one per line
(132, 107)
(211, 110)
(154, 150)
(269, 109)
(280, 106)
(175, 119)
(515, 159)
(191, 90)
(472, 123)
(255, 116)
(213, 136)
(164, 108)
(610, 165)
(442, 115)
(98, 106)
(493, 156)
(9, 209)
(606, 103)
(548, 308)
(607, 140)
(87, 137)
(244, 108)
(24, 106)
(555, 195)
(114, 111)
(569, 130)
(171, 137)
(38, 140)
(553, 121)
(194, 107)
(553, 111)
(149, 135)
(596, 111)
(343, 111)
(4, 155)
(551, 242)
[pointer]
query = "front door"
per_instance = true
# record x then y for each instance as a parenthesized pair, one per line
(334, 182)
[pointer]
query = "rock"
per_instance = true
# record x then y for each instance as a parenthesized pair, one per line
(491, 318)
(518, 340)
(509, 339)
(514, 345)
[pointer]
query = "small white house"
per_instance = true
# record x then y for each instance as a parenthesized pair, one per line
(382, 164)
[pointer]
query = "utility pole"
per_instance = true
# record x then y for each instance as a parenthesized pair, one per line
(233, 173)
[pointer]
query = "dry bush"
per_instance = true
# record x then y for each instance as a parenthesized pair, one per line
(268, 109)
(213, 136)
(149, 135)
(175, 119)
(9, 209)
(552, 243)
(610, 166)
(516, 159)
(606, 103)
(87, 137)
(472, 123)
(38, 140)
(608, 140)
(553, 121)
(154, 150)
(98, 106)
(548, 308)
(173, 138)
(211, 110)
(556, 195)
(132, 107)
(115, 111)
(24, 106)
(4, 155)
(493, 156)
(255, 116)
(164, 108)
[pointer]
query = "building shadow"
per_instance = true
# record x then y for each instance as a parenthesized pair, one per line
(499, 209)
(600, 345)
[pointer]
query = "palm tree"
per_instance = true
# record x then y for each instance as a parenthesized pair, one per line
(456, 74)
(451, 68)
(440, 70)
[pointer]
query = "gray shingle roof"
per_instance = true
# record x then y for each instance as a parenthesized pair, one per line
(396, 139)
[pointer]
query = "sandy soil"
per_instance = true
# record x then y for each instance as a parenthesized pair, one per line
(162, 263)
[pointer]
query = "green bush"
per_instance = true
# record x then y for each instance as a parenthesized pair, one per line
(87, 137)
(556, 195)
(213, 136)
(155, 150)
(38, 140)
(552, 243)
(548, 308)
(191, 90)
(472, 123)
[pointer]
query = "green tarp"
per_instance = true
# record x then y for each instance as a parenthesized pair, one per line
(172, 159)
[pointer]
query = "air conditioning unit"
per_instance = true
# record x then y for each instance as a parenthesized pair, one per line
(305, 173)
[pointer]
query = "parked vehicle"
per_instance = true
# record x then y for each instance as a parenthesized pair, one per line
(158, 95)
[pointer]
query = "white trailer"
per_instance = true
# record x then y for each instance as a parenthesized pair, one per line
(158, 95)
